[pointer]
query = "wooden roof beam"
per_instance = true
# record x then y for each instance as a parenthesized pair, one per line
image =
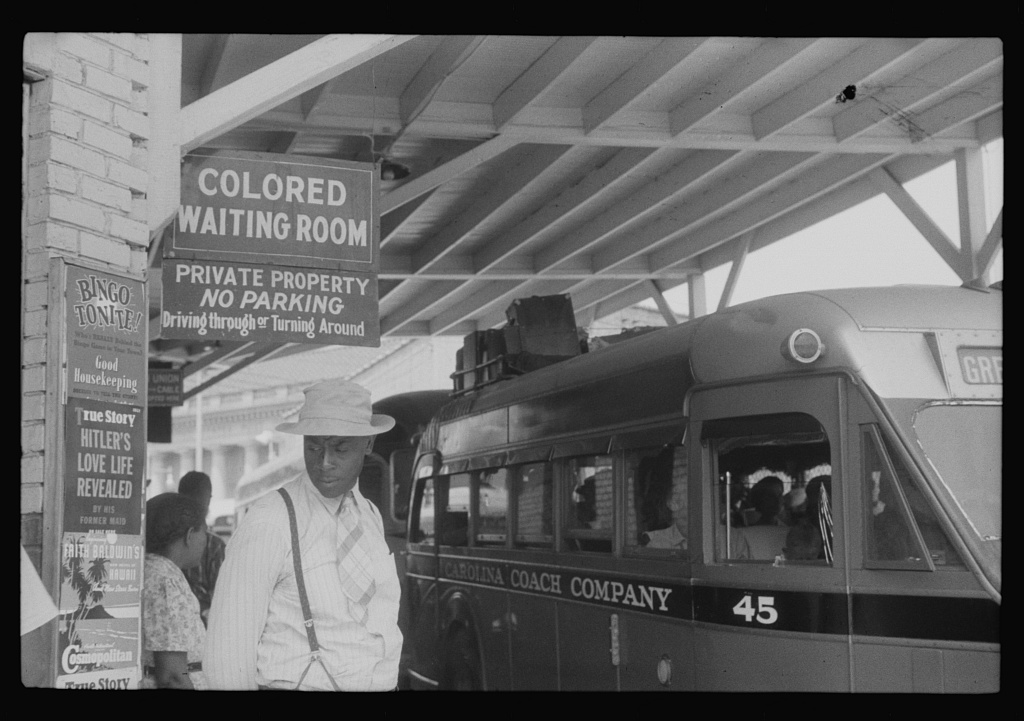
(646, 200)
(804, 188)
(711, 207)
(965, 65)
(545, 72)
(823, 88)
(742, 249)
(755, 69)
(499, 195)
(638, 80)
(584, 194)
(452, 52)
(439, 176)
(281, 80)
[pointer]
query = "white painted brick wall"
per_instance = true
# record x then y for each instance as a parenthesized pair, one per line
(105, 249)
(131, 230)
(108, 84)
(33, 379)
(32, 498)
(85, 47)
(115, 143)
(33, 407)
(76, 212)
(82, 101)
(64, 151)
(37, 264)
(105, 193)
(36, 295)
(132, 68)
(52, 235)
(125, 41)
(68, 68)
(127, 174)
(86, 186)
(139, 260)
(134, 122)
(65, 123)
(31, 469)
(35, 323)
(33, 350)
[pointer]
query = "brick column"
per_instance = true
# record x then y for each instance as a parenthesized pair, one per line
(85, 179)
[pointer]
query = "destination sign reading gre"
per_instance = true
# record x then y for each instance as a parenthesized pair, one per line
(981, 366)
(262, 208)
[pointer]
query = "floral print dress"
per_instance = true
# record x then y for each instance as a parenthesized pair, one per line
(170, 618)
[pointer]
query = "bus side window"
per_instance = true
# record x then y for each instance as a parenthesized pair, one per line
(371, 480)
(422, 528)
(533, 505)
(892, 538)
(490, 494)
(759, 459)
(590, 514)
(453, 526)
(656, 500)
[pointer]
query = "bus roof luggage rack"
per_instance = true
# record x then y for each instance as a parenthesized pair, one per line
(541, 330)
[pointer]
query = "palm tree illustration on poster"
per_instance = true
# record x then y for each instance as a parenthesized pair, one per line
(101, 577)
(87, 582)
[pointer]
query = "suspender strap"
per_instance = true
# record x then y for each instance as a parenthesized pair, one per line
(307, 615)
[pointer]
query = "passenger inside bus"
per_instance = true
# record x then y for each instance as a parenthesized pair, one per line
(659, 510)
(764, 539)
(805, 540)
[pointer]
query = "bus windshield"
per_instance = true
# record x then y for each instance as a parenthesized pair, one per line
(963, 443)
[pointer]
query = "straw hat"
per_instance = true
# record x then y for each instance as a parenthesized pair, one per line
(337, 408)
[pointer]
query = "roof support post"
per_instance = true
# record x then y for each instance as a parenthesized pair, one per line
(659, 298)
(970, 191)
(698, 295)
(988, 250)
(742, 248)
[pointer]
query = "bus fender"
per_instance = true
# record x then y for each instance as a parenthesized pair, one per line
(458, 622)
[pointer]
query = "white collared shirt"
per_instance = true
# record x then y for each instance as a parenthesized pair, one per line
(256, 635)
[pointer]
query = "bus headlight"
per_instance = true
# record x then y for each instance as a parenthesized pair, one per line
(803, 346)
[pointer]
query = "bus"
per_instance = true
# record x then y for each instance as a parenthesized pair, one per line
(799, 493)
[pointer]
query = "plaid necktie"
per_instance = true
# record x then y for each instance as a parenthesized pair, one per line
(354, 559)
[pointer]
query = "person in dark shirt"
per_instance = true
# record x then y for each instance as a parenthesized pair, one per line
(203, 578)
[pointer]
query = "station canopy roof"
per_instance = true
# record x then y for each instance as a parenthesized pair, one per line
(608, 168)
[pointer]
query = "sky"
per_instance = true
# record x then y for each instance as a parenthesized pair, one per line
(871, 244)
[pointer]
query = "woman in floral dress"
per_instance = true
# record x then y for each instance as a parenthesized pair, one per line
(173, 634)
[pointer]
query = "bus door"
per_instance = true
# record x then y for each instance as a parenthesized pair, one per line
(587, 618)
(770, 606)
(421, 584)
(655, 639)
(534, 584)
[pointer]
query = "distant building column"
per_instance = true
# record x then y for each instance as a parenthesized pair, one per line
(162, 473)
(219, 471)
(250, 457)
(186, 461)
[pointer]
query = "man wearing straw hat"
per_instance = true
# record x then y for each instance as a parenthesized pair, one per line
(308, 594)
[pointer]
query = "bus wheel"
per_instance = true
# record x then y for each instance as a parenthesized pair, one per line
(461, 665)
